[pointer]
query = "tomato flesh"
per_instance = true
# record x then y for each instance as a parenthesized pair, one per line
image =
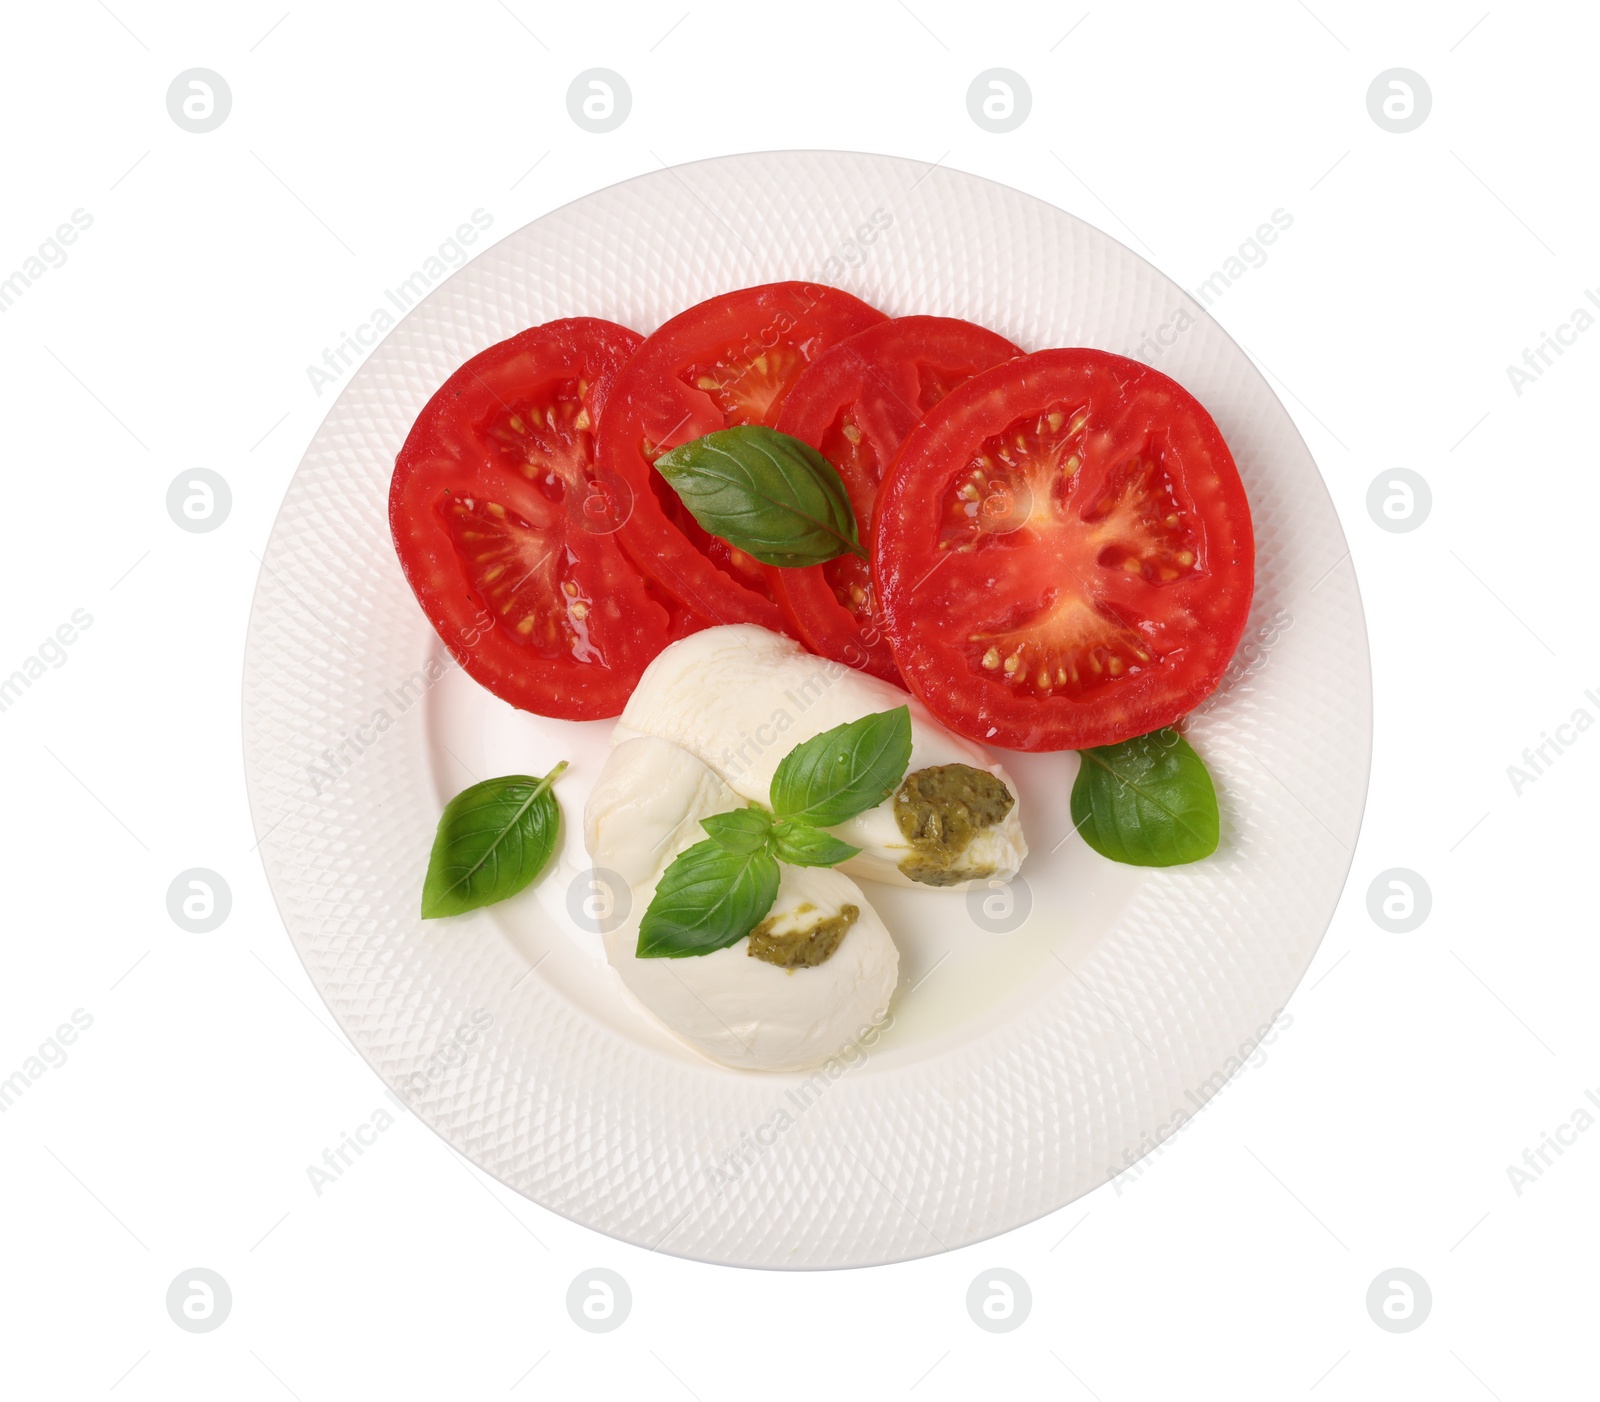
(730, 360)
(505, 528)
(1065, 553)
(752, 392)
(855, 404)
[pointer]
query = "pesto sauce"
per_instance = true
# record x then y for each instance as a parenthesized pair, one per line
(803, 948)
(938, 811)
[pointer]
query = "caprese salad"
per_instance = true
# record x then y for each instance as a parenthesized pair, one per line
(815, 560)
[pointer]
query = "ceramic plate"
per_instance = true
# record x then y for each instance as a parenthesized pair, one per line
(1042, 1039)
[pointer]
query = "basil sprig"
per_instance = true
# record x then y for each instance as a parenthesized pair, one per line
(493, 839)
(741, 832)
(1148, 801)
(766, 493)
(714, 893)
(802, 845)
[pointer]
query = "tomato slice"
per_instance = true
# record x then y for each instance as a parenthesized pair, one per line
(730, 360)
(506, 530)
(1064, 553)
(854, 404)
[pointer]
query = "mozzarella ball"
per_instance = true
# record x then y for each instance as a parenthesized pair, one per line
(740, 697)
(736, 1006)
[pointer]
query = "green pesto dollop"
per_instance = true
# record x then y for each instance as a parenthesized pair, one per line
(806, 946)
(938, 811)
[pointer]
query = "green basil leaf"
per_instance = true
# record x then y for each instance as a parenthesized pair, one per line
(706, 900)
(844, 771)
(493, 839)
(741, 832)
(1148, 802)
(802, 845)
(766, 493)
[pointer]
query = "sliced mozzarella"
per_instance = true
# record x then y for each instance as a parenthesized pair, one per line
(736, 1009)
(741, 697)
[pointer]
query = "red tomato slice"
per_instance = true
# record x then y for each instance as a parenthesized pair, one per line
(506, 531)
(854, 404)
(1064, 553)
(730, 360)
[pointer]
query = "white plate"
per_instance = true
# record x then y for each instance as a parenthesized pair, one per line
(1024, 1067)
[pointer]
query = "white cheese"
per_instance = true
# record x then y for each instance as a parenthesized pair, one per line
(740, 698)
(733, 1008)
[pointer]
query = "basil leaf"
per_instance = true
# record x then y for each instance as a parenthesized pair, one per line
(1148, 802)
(706, 900)
(741, 832)
(844, 771)
(493, 839)
(766, 493)
(802, 845)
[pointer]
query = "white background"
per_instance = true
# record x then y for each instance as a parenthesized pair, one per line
(1377, 1131)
